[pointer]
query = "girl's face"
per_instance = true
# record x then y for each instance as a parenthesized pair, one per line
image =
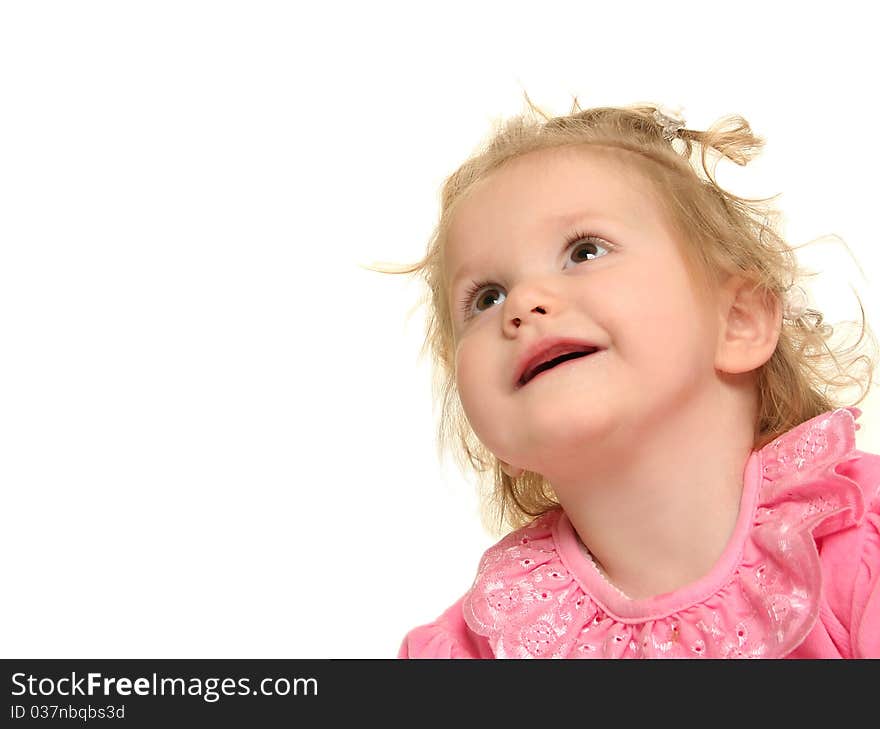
(621, 285)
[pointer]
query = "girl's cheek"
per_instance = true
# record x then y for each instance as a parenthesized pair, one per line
(469, 365)
(462, 367)
(466, 351)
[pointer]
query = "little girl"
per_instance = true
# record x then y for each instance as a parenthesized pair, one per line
(622, 350)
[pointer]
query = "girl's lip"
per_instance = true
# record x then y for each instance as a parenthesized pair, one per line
(546, 349)
(561, 364)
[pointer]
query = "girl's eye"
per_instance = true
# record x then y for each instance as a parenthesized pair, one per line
(488, 296)
(584, 252)
(588, 251)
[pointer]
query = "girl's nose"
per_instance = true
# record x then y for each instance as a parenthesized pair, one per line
(527, 302)
(517, 321)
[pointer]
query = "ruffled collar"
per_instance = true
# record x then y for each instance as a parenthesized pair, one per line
(536, 594)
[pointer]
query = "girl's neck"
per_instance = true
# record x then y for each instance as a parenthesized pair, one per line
(656, 512)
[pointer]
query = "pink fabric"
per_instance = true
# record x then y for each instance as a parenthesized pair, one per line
(800, 577)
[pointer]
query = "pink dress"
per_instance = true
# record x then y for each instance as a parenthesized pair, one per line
(800, 577)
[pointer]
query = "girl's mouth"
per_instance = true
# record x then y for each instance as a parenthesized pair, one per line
(533, 372)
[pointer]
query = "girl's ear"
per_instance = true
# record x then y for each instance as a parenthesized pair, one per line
(750, 321)
(512, 471)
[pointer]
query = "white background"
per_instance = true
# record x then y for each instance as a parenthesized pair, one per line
(216, 434)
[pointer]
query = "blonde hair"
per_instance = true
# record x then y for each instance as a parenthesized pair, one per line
(724, 233)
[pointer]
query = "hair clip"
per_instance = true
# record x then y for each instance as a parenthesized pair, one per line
(794, 303)
(671, 119)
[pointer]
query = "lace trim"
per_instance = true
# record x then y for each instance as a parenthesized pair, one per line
(527, 604)
(589, 555)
